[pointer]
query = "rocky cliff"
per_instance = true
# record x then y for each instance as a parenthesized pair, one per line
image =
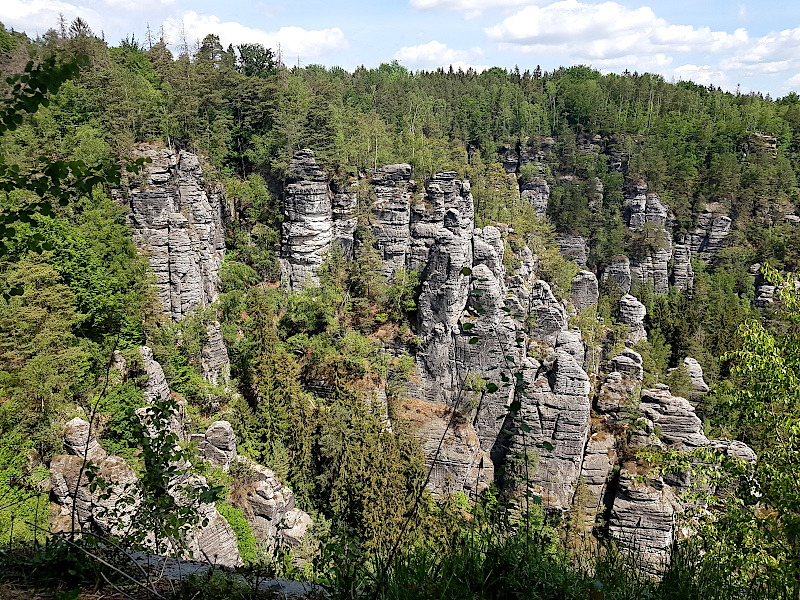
(177, 221)
(510, 333)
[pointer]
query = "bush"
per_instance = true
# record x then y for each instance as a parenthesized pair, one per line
(245, 540)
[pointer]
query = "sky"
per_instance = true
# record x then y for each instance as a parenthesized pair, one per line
(754, 46)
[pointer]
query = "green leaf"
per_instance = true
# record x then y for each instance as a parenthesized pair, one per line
(547, 446)
(466, 271)
(473, 340)
(467, 326)
(525, 427)
(491, 388)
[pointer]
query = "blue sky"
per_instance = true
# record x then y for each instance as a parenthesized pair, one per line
(755, 45)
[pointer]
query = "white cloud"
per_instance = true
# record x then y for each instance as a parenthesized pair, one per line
(475, 6)
(37, 16)
(774, 53)
(610, 36)
(138, 5)
(294, 41)
(792, 84)
(703, 74)
(606, 30)
(435, 54)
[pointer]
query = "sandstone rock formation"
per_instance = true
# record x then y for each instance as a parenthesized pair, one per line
(618, 274)
(537, 192)
(218, 445)
(269, 508)
(308, 225)
(675, 416)
(178, 223)
(267, 504)
(695, 371)
(628, 362)
(711, 228)
(598, 461)
(651, 223)
(682, 273)
(632, 313)
(573, 247)
(557, 410)
(643, 515)
(80, 441)
(585, 291)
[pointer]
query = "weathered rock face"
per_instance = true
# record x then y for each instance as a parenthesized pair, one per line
(618, 274)
(461, 463)
(391, 215)
(548, 317)
(712, 227)
(682, 272)
(109, 511)
(573, 247)
(643, 515)
(80, 441)
(651, 223)
(571, 342)
(343, 209)
(178, 223)
(598, 461)
(308, 225)
(156, 389)
(585, 291)
(632, 313)
(114, 509)
(214, 355)
(537, 192)
(695, 371)
(267, 504)
(614, 399)
(269, 508)
(219, 444)
(557, 411)
(628, 362)
(675, 416)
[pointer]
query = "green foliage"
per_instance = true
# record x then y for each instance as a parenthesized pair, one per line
(244, 535)
(679, 382)
(120, 435)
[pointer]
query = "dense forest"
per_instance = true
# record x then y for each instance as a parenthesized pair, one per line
(303, 364)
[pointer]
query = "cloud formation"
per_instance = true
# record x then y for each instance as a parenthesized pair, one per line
(435, 54)
(465, 5)
(294, 41)
(610, 36)
(37, 16)
(606, 30)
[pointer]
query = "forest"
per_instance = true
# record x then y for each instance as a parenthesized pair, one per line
(80, 117)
